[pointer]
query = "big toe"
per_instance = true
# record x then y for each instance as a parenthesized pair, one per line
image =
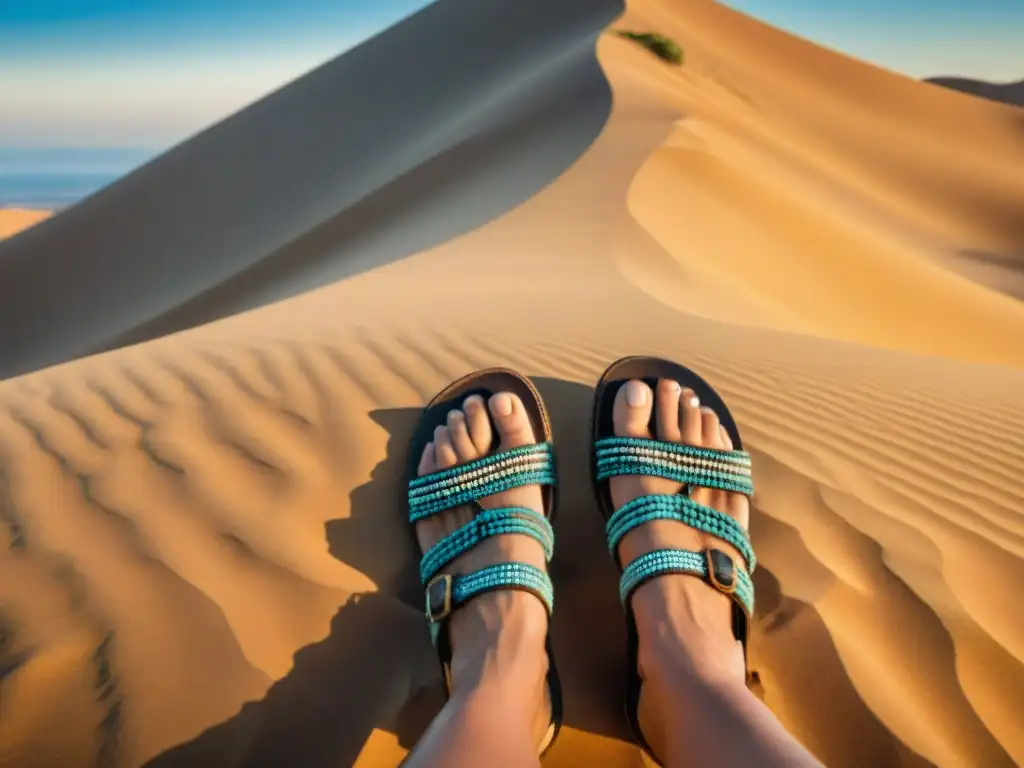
(511, 419)
(631, 412)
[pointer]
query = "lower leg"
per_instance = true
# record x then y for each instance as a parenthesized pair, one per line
(499, 708)
(695, 708)
(494, 715)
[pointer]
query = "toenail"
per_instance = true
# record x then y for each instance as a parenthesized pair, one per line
(454, 415)
(708, 411)
(502, 404)
(694, 402)
(636, 394)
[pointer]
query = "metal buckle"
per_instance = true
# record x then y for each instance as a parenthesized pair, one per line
(439, 598)
(721, 571)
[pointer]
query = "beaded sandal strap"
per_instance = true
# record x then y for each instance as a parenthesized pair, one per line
(446, 592)
(497, 472)
(684, 510)
(487, 523)
(711, 565)
(688, 464)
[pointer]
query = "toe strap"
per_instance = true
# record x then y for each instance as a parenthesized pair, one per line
(494, 473)
(446, 592)
(681, 509)
(711, 565)
(688, 464)
(487, 523)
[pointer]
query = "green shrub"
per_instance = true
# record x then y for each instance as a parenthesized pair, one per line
(659, 45)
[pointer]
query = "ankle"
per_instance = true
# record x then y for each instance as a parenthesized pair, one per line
(685, 631)
(498, 645)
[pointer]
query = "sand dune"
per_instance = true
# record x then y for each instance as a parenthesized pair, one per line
(14, 220)
(330, 175)
(207, 562)
(810, 192)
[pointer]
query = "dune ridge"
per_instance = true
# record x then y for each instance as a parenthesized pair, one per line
(207, 562)
(512, 118)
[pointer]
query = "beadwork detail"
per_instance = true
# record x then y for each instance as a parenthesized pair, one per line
(464, 587)
(489, 522)
(497, 472)
(681, 509)
(687, 464)
(486, 476)
(660, 562)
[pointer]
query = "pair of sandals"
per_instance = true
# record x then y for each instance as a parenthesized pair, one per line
(611, 455)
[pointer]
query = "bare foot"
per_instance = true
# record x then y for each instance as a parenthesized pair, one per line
(497, 638)
(677, 615)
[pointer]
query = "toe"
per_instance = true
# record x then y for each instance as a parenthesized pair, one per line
(511, 419)
(478, 423)
(724, 438)
(689, 417)
(428, 463)
(631, 412)
(459, 433)
(444, 451)
(666, 404)
(710, 428)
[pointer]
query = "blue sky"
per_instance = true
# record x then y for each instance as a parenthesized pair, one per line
(149, 73)
(141, 75)
(921, 38)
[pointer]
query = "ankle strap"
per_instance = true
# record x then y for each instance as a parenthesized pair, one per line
(710, 565)
(447, 592)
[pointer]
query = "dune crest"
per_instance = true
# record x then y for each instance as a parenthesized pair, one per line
(207, 561)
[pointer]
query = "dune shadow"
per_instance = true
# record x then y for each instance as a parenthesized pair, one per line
(323, 711)
(1011, 94)
(856, 736)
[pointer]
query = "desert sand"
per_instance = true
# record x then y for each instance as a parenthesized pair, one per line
(14, 220)
(207, 561)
